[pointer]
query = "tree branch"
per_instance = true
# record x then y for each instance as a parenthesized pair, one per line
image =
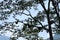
(34, 20)
(56, 11)
(47, 13)
(34, 26)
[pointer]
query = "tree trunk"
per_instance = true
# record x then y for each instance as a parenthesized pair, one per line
(50, 33)
(50, 30)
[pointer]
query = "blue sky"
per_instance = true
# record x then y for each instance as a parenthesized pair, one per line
(4, 37)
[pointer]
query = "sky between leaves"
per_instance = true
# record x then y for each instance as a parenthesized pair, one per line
(22, 17)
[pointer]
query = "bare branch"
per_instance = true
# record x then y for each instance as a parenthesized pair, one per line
(49, 5)
(47, 13)
(55, 7)
(37, 20)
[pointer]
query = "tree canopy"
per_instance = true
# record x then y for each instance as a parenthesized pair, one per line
(32, 24)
